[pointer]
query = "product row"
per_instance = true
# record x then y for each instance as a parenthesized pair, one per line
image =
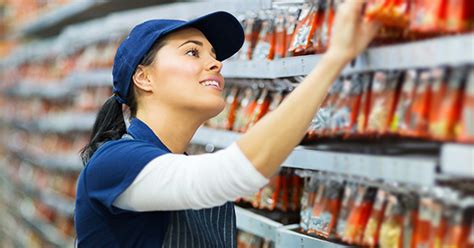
(435, 104)
(306, 29)
(248, 240)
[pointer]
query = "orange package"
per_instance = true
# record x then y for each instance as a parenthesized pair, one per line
(302, 39)
(465, 127)
(326, 226)
(261, 108)
(458, 233)
(252, 26)
(311, 185)
(428, 16)
(438, 224)
(269, 193)
(419, 111)
(283, 194)
(393, 13)
(265, 46)
(365, 103)
(359, 215)
(424, 229)
(343, 120)
(459, 16)
(247, 105)
(232, 103)
(400, 121)
(291, 21)
(347, 204)
(317, 207)
(446, 104)
(280, 36)
(385, 91)
(294, 191)
(325, 29)
(372, 231)
(391, 230)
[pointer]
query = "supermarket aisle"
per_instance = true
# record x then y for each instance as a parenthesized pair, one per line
(388, 160)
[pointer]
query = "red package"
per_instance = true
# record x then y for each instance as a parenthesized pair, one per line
(252, 26)
(325, 225)
(459, 15)
(422, 236)
(393, 13)
(265, 47)
(359, 215)
(280, 36)
(465, 129)
(347, 204)
(291, 20)
(343, 120)
(245, 109)
(446, 104)
(261, 108)
(269, 193)
(317, 206)
(400, 121)
(428, 16)
(232, 103)
(365, 103)
(283, 195)
(302, 39)
(372, 230)
(311, 184)
(294, 191)
(418, 120)
(384, 99)
(325, 28)
(458, 234)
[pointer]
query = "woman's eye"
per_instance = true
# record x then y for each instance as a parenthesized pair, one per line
(193, 52)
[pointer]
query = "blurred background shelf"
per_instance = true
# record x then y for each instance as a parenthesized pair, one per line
(256, 224)
(458, 159)
(288, 237)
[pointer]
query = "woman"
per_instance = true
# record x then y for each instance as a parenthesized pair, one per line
(138, 188)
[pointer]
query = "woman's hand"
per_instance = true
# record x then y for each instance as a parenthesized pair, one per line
(351, 33)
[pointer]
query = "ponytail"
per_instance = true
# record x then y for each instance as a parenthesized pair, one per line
(109, 125)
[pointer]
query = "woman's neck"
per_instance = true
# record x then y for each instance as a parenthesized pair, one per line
(175, 130)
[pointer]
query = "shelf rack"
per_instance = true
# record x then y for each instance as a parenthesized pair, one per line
(283, 236)
(458, 160)
(415, 170)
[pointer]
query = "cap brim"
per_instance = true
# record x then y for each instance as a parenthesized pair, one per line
(223, 31)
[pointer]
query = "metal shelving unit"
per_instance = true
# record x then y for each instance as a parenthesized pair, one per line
(415, 170)
(288, 237)
(458, 160)
(421, 54)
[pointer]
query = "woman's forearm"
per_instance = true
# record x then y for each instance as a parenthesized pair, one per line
(271, 140)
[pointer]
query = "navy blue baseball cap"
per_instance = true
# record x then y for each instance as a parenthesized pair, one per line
(221, 29)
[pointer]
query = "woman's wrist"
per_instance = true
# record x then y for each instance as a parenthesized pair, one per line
(338, 57)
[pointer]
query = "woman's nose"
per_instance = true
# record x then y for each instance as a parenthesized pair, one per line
(215, 65)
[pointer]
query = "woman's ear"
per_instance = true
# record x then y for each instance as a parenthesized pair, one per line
(141, 78)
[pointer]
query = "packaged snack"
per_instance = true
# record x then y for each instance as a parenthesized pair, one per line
(284, 192)
(294, 191)
(465, 127)
(458, 234)
(359, 215)
(400, 122)
(280, 35)
(418, 120)
(317, 207)
(261, 108)
(322, 44)
(265, 46)
(311, 184)
(438, 223)
(347, 204)
(232, 103)
(424, 229)
(459, 16)
(446, 104)
(325, 225)
(302, 39)
(428, 16)
(393, 13)
(252, 26)
(291, 20)
(372, 230)
(391, 230)
(245, 109)
(385, 93)
(344, 119)
(269, 193)
(321, 123)
(365, 103)
(217, 121)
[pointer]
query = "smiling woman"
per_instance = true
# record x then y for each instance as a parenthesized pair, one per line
(138, 188)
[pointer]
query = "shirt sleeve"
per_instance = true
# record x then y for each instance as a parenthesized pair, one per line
(177, 182)
(113, 168)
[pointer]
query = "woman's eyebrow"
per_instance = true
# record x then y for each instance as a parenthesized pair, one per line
(197, 43)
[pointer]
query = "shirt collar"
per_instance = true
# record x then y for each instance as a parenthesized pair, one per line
(140, 131)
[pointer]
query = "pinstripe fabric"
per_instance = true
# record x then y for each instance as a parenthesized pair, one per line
(212, 227)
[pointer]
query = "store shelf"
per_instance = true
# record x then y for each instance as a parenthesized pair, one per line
(451, 50)
(51, 91)
(287, 237)
(415, 170)
(458, 159)
(66, 122)
(98, 77)
(52, 22)
(256, 224)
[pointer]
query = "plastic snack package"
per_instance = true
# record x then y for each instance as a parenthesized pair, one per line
(301, 40)
(400, 121)
(347, 204)
(232, 103)
(265, 46)
(291, 20)
(284, 192)
(269, 193)
(280, 35)
(372, 230)
(419, 111)
(311, 184)
(424, 229)
(446, 104)
(459, 16)
(330, 210)
(359, 215)
(428, 16)
(465, 127)
(347, 107)
(459, 225)
(317, 207)
(384, 99)
(326, 26)
(391, 230)
(247, 105)
(365, 103)
(252, 26)
(261, 108)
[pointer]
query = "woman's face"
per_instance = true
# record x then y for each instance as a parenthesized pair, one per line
(186, 76)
